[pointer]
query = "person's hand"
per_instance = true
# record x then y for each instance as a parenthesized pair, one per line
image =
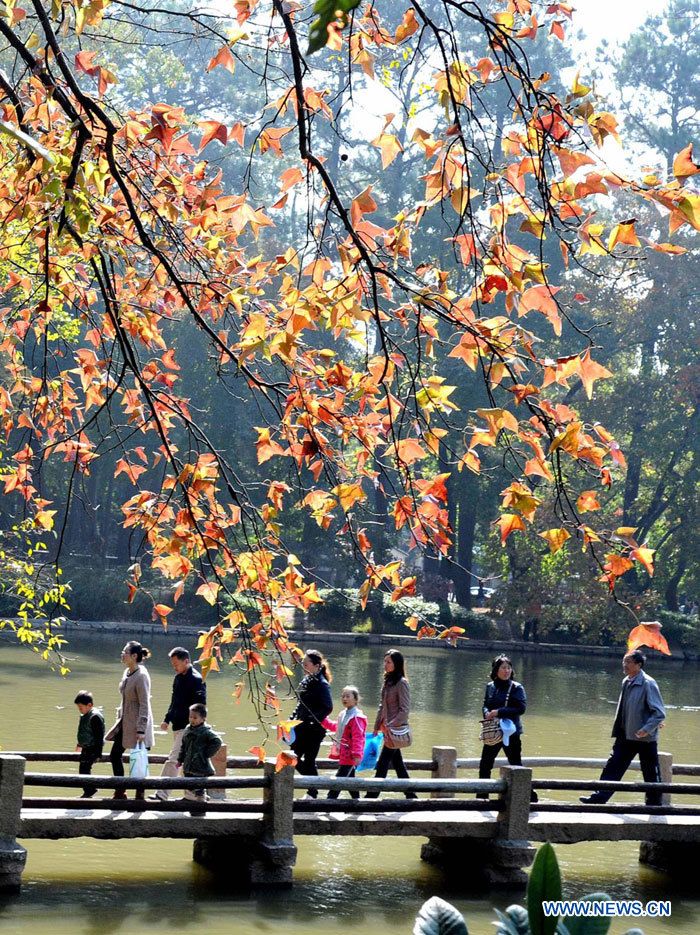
(641, 734)
(491, 715)
(164, 725)
(78, 749)
(356, 760)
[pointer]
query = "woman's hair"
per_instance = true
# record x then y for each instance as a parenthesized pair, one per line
(399, 667)
(354, 690)
(319, 659)
(497, 663)
(134, 648)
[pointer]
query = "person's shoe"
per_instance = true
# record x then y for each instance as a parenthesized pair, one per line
(534, 797)
(308, 797)
(589, 800)
(88, 795)
(411, 795)
(119, 794)
(157, 797)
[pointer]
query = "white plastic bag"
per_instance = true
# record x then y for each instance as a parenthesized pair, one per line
(138, 761)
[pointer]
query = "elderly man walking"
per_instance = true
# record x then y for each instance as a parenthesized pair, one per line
(188, 688)
(640, 712)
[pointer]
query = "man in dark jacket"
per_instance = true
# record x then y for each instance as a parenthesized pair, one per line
(640, 712)
(188, 689)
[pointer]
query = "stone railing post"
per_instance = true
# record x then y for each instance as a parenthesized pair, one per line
(276, 851)
(445, 759)
(510, 850)
(666, 774)
(13, 857)
(218, 761)
(513, 819)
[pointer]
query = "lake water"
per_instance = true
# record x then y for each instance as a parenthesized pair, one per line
(357, 886)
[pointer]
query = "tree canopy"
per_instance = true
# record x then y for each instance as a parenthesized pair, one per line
(351, 301)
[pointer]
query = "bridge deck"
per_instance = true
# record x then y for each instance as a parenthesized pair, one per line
(543, 826)
(570, 828)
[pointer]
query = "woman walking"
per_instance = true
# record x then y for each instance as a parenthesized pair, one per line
(504, 698)
(134, 722)
(392, 719)
(314, 705)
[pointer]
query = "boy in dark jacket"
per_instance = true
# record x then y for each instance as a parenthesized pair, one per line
(91, 733)
(199, 744)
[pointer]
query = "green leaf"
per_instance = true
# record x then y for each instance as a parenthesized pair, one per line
(437, 917)
(544, 884)
(513, 921)
(578, 925)
(327, 11)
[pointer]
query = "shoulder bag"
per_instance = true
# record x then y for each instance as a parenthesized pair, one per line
(491, 733)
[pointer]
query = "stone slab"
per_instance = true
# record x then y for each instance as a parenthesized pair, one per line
(67, 823)
(568, 828)
(403, 824)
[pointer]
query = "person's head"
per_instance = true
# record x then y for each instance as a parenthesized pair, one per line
(315, 663)
(134, 653)
(394, 666)
(84, 701)
(502, 668)
(633, 663)
(198, 714)
(179, 660)
(350, 696)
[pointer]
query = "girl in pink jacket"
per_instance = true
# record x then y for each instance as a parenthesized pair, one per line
(349, 740)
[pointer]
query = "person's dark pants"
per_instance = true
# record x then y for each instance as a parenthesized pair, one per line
(623, 752)
(344, 772)
(116, 754)
(306, 747)
(530, 629)
(513, 753)
(88, 756)
(390, 758)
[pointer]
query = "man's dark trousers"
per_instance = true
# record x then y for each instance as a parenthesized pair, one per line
(623, 752)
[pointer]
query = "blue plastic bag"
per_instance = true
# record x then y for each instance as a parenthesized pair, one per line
(373, 747)
(138, 761)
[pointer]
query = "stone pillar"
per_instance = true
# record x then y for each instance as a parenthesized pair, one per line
(13, 857)
(671, 858)
(506, 855)
(441, 851)
(218, 761)
(666, 774)
(445, 759)
(276, 853)
(677, 858)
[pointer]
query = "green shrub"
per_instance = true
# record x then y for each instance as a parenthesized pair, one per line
(680, 629)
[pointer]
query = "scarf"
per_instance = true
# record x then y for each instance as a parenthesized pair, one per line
(344, 718)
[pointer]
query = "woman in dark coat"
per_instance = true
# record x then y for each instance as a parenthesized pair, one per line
(392, 715)
(503, 698)
(315, 704)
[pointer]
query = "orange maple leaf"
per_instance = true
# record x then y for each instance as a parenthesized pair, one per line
(648, 633)
(224, 58)
(683, 165)
(508, 523)
(590, 371)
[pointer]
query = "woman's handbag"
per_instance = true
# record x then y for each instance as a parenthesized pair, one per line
(491, 733)
(398, 738)
(373, 747)
(138, 761)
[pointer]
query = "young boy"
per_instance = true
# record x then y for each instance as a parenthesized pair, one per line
(91, 732)
(199, 744)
